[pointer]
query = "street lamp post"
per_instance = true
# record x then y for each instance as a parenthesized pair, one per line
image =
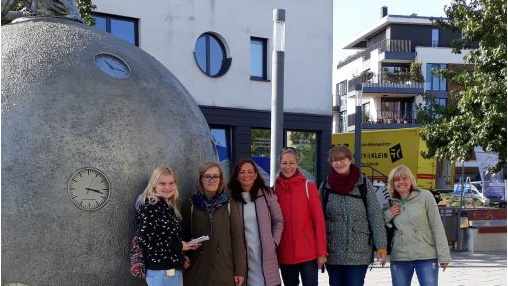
(358, 126)
(277, 105)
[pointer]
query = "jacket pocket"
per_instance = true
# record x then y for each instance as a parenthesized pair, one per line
(360, 238)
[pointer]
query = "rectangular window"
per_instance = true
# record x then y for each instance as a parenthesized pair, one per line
(260, 151)
(341, 88)
(366, 112)
(305, 143)
(433, 80)
(222, 141)
(258, 58)
(343, 122)
(121, 27)
(435, 37)
(396, 110)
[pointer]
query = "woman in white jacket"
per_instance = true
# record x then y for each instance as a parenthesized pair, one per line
(419, 242)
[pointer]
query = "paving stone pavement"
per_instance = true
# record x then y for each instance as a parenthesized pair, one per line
(466, 269)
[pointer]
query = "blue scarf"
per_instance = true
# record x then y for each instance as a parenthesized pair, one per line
(210, 205)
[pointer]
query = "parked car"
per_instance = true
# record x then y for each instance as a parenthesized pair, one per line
(494, 191)
(468, 188)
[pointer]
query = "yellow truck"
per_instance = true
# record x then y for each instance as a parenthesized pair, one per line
(385, 149)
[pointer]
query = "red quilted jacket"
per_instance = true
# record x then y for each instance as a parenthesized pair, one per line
(304, 236)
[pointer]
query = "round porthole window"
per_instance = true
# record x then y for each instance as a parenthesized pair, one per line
(211, 55)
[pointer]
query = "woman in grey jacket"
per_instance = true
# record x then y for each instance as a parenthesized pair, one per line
(352, 228)
(419, 240)
(261, 221)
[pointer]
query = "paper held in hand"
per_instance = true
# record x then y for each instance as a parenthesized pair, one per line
(199, 239)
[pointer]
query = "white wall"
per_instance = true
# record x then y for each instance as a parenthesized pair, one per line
(169, 29)
(433, 55)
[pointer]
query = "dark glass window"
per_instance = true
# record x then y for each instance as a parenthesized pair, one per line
(122, 27)
(222, 141)
(396, 110)
(341, 88)
(210, 55)
(260, 151)
(433, 80)
(305, 143)
(258, 58)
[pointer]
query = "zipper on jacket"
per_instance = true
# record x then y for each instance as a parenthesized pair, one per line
(260, 240)
(210, 219)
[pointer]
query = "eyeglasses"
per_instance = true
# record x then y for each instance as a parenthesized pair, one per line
(211, 178)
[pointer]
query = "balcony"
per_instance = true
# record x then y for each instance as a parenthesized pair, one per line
(410, 87)
(390, 49)
(385, 120)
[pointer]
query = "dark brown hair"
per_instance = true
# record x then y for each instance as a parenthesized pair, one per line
(236, 187)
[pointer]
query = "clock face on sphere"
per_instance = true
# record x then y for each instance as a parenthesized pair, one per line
(112, 65)
(89, 189)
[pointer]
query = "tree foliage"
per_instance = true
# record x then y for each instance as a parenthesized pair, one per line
(476, 110)
(86, 9)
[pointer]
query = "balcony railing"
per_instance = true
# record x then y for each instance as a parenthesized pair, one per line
(410, 84)
(389, 46)
(385, 117)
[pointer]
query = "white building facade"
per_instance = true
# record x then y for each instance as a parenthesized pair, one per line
(392, 70)
(221, 52)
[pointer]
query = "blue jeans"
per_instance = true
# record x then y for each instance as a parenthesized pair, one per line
(426, 270)
(308, 270)
(159, 278)
(347, 275)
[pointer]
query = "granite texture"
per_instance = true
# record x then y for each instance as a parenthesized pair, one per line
(61, 113)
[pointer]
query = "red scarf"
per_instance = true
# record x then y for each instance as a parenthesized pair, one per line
(343, 184)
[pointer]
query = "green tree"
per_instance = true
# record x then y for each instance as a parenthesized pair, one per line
(86, 9)
(476, 113)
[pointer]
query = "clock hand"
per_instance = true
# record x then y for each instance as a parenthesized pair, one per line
(88, 189)
(110, 66)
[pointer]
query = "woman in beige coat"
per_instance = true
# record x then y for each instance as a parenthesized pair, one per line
(419, 242)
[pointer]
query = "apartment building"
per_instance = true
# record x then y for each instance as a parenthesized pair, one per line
(390, 72)
(221, 52)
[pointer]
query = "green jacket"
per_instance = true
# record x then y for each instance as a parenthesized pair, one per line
(347, 227)
(419, 232)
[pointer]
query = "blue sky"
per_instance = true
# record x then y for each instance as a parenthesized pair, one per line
(351, 17)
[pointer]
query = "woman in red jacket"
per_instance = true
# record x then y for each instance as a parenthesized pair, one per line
(302, 248)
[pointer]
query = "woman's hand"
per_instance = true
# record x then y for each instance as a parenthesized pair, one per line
(190, 246)
(186, 263)
(239, 280)
(384, 258)
(444, 265)
(395, 209)
(321, 260)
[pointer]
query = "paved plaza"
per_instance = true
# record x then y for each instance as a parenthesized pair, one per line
(466, 269)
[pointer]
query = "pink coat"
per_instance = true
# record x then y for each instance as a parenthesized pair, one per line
(270, 223)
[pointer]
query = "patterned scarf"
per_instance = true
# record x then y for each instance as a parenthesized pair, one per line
(209, 205)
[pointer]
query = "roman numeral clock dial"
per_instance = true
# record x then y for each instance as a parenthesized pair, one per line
(89, 189)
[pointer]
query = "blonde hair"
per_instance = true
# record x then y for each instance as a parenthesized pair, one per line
(203, 168)
(149, 192)
(396, 173)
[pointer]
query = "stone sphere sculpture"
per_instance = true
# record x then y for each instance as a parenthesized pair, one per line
(74, 98)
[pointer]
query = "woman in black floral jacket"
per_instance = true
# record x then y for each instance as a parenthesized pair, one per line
(160, 232)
